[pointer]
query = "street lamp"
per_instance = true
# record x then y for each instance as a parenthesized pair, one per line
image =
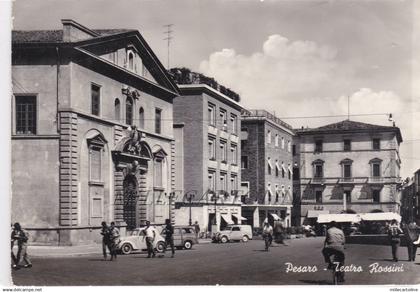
(190, 197)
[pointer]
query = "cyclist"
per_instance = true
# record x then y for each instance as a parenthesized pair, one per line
(334, 246)
(267, 234)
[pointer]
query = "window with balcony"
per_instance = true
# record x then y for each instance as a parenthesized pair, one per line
(376, 144)
(212, 148)
(347, 145)
(211, 114)
(318, 196)
(376, 194)
(244, 162)
(26, 115)
(346, 169)
(95, 99)
(318, 146)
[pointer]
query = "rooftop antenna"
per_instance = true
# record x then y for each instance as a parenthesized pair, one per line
(169, 37)
(348, 107)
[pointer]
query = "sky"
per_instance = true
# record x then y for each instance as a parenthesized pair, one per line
(298, 59)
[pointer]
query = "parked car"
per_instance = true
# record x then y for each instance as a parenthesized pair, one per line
(234, 232)
(135, 242)
(184, 236)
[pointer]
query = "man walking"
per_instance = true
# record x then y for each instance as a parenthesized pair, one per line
(394, 232)
(106, 241)
(169, 236)
(411, 234)
(21, 236)
(197, 230)
(267, 234)
(149, 234)
(114, 238)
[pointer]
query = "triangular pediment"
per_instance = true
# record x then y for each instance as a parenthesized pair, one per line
(118, 48)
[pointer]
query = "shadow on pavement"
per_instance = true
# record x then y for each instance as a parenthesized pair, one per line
(317, 282)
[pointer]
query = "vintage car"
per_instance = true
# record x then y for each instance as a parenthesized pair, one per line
(136, 241)
(234, 233)
(184, 236)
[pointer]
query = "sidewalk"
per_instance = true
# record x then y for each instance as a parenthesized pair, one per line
(70, 251)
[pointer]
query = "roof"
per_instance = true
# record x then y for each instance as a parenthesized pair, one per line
(350, 126)
(54, 36)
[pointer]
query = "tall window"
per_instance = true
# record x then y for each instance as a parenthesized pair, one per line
(347, 170)
(223, 185)
(289, 146)
(318, 168)
(268, 137)
(212, 148)
(158, 163)
(212, 181)
(234, 153)
(276, 140)
(376, 196)
(212, 114)
(348, 196)
(318, 196)
(141, 118)
(95, 162)
(294, 150)
(277, 168)
(347, 145)
(376, 144)
(282, 169)
(117, 110)
(269, 166)
(26, 114)
(282, 142)
(318, 146)
(95, 99)
(289, 171)
(223, 119)
(130, 56)
(223, 151)
(234, 122)
(376, 169)
(129, 111)
(233, 183)
(244, 162)
(158, 121)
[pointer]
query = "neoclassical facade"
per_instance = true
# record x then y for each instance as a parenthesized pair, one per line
(92, 133)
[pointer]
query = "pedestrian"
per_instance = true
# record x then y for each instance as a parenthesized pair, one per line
(394, 232)
(411, 234)
(106, 240)
(114, 240)
(334, 246)
(12, 241)
(21, 236)
(267, 234)
(197, 230)
(169, 236)
(149, 234)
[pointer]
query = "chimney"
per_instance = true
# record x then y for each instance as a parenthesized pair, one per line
(74, 32)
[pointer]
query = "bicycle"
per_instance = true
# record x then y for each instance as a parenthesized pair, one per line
(337, 276)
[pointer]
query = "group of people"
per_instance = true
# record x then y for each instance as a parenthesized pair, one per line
(110, 240)
(411, 234)
(21, 237)
(269, 233)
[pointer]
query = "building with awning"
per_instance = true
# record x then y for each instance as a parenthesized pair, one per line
(264, 168)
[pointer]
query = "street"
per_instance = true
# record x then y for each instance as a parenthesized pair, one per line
(225, 264)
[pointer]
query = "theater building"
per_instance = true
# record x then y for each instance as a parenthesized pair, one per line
(92, 133)
(347, 167)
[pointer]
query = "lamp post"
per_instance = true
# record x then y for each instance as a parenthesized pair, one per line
(215, 197)
(171, 196)
(190, 197)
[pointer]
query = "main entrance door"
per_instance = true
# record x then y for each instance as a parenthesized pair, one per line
(130, 186)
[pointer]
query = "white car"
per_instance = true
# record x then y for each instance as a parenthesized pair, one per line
(234, 232)
(136, 241)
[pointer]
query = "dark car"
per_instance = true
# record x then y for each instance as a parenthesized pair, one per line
(184, 236)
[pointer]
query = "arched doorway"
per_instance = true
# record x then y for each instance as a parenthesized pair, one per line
(130, 187)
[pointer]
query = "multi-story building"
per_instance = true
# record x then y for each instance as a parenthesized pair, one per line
(208, 123)
(266, 167)
(410, 199)
(348, 167)
(92, 133)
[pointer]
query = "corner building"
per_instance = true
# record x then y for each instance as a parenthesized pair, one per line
(348, 167)
(266, 167)
(208, 123)
(92, 134)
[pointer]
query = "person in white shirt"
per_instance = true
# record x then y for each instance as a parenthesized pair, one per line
(149, 234)
(267, 234)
